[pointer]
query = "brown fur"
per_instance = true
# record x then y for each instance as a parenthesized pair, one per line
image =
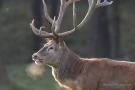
(95, 73)
(76, 73)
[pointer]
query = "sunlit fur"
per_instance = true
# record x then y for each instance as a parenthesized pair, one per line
(76, 73)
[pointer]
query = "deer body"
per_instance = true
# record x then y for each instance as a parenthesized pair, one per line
(74, 72)
(94, 74)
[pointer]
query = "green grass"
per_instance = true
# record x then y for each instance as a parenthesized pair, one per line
(22, 81)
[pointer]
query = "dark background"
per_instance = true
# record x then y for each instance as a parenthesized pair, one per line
(109, 33)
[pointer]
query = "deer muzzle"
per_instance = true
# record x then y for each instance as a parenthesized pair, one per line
(37, 58)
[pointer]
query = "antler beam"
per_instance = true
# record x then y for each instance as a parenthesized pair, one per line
(93, 4)
(46, 12)
(39, 32)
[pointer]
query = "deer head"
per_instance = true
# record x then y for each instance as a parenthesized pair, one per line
(51, 52)
(55, 46)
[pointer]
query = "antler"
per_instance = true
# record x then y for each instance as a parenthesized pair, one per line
(93, 4)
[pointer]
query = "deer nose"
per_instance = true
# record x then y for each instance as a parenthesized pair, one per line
(34, 56)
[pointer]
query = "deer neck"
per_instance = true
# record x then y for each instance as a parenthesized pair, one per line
(69, 67)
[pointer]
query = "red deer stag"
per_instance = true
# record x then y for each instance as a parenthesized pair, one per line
(74, 72)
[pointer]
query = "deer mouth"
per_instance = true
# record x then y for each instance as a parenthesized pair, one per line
(39, 61)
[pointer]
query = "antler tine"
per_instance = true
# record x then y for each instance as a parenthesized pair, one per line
(63, 7)
(46, 12)
(55, 24)
(41, 33)
(74, 17)
(53, 28)
(92, 7)
(105, 3)
(93, 4)
(89, 13)
(61, 14)
(71, 1)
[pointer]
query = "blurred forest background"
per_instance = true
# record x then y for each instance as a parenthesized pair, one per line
(109, 33)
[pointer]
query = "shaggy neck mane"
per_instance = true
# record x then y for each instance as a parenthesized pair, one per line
(69, 66)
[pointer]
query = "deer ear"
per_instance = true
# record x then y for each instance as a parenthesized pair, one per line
(61, 43)
(48, 39)
(52, 39)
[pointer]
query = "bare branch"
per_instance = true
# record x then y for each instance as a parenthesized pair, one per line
(46, 12)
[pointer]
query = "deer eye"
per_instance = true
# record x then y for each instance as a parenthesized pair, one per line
(50, 48)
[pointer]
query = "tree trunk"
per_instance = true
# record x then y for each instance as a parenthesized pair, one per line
(4, 80)
(54, 4)
(114, 30)
(99, 45)
(36, 9)
(1, 2)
